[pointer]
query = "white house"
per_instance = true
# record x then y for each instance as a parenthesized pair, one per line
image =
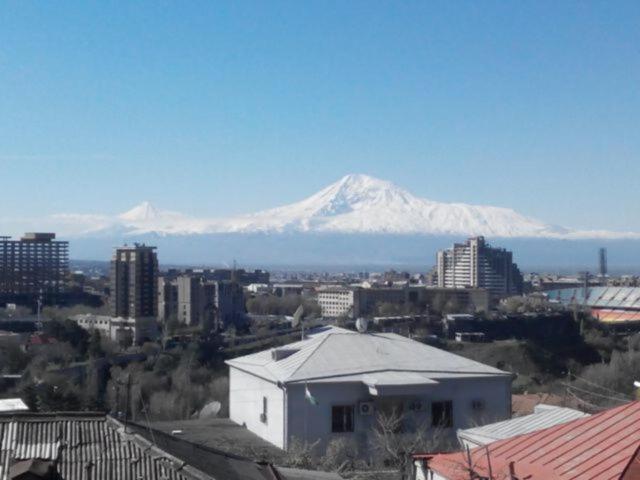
(330, 385)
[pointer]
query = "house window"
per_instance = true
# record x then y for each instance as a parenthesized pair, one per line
(442, 414)
(263, 415)
(342, 418)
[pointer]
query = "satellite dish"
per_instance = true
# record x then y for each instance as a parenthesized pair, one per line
(297, 316)
(361, 325)
(210, 410)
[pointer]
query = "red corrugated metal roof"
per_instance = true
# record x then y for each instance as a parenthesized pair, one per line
(600, 447)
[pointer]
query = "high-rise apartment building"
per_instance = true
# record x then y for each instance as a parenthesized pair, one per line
(134, 282)
(36, 266)
(476, 264)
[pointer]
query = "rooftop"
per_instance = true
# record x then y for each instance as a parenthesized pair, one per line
(344, 355)
(86, 446)
(12, 405)
(600, 447)
(545, 416)
(96, 446)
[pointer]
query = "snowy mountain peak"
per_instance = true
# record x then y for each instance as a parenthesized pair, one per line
(355, 192)
(144, 212)
(355, 204)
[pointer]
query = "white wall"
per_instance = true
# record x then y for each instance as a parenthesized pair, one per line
(246, 392)
(313, 422)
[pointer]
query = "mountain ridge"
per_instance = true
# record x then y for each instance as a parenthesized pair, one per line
(355, 204)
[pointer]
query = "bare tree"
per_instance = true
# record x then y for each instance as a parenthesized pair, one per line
(395, 444)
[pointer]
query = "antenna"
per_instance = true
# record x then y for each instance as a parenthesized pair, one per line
(602, 254)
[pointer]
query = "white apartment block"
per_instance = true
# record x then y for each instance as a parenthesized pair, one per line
(475, 264)
(126, 331)
(338, 302)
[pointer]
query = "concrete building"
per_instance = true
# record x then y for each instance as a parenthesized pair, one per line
(124, 331)
(476, 264)
(36, 266)
(338, 302)
(134, 282)
(332, 384)
(167, 297)
(355, 302)
(194, 300)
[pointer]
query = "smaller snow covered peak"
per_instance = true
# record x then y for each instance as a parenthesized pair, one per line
(143, 212)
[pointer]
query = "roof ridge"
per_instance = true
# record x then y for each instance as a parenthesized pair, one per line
(319, 342)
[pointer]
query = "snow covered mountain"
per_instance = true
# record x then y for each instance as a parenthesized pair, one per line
(355, 204)
(363, 204)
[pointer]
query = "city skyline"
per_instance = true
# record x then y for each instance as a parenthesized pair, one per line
(220, 109)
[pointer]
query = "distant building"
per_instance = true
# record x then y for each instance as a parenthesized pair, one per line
(616, 307)
(194, 300)
(36, 266)
(134, 282)
(355, 302)
(332, 384)
(238, 275)
(167, 297)
(476, 264)
(124, 331)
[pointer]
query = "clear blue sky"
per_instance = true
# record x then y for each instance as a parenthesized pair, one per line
(214, 108)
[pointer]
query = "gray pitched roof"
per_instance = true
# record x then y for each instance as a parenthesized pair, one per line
(347, 355)
(86, 445)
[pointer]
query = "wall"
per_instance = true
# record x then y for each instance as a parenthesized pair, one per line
(246, 392)
(313, 422)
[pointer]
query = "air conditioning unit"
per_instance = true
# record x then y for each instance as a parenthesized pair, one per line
(365, 408)
(416, 406)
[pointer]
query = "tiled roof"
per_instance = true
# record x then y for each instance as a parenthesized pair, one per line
(86, 446)
(339, 353)
(598, 447)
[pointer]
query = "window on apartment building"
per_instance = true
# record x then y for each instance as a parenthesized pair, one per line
(342, 418)
(442, 414)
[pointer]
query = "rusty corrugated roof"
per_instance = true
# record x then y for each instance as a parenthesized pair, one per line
(599, 447)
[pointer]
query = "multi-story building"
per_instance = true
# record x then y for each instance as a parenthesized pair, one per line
(34, 267)
(338, 302)
(478, 265)
(167, 297)
(354, 302)
(194, 300)
(125, 331)
(134, 282)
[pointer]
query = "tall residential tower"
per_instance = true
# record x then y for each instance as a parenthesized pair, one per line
(134, 282)
(36, 266)
(476, 264)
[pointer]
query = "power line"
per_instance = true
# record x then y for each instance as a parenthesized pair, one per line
(588, 392)
(597, 385)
